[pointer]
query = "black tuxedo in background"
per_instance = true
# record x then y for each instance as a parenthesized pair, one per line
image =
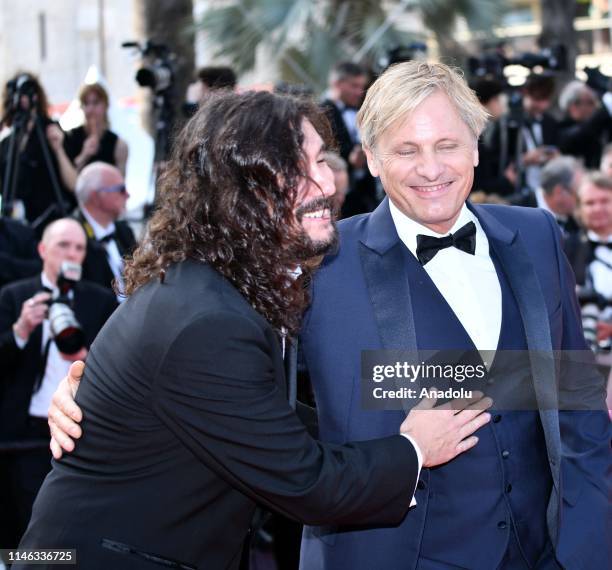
(25, 470)
(361, 197)
(18, 256)
(95, 266)
(186, 427)
(503, 144)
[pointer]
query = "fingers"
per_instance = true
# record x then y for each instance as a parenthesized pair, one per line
(426, 404)
(56, 450)
(474, 424)
(63, 422)
(60, 441)
(466, 444)
(74, 377)
(63, 401)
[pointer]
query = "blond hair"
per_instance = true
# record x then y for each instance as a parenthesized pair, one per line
(402, 87)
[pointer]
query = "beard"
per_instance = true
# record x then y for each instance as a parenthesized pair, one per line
(317, 247)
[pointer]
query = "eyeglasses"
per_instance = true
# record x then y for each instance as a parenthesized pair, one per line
(120, 188)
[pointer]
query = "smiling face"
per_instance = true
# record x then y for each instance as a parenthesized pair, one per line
(314, 206)
(426, 163)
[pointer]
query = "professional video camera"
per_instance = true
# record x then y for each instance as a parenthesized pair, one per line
(399, 54)
(65, 329)
(493, 61)
(157, 71)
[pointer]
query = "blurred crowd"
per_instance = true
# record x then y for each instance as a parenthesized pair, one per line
(63, 242)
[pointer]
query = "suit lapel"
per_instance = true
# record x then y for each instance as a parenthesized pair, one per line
(521, 274)
(384, 264)
(290, 362)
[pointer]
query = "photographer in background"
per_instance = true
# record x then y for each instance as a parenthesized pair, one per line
(526, 138)
(590, 254)
(41, 173)
(31, 348)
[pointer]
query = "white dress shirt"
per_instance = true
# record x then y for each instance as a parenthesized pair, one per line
(115, 260)
(468, 283)
(599, 268)
(56, 367)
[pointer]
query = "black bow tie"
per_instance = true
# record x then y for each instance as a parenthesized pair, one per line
(107, 238)
(595, 244)
(464, 239)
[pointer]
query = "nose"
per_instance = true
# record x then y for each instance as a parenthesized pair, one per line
(325, 180)
(428, 166)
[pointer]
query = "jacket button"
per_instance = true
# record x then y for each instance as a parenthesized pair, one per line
(496, 418)
(505, 454)
(502, 525)
(421, 485)
(508, 488)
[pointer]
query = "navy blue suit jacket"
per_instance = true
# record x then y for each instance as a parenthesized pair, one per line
(361, 300)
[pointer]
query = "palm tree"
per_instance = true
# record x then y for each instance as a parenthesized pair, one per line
(308, 37)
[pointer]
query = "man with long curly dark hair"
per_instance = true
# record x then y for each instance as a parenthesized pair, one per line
(186, 423)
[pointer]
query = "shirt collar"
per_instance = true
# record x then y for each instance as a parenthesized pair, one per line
(46, 282)
(595, 237)
(98, 230)
(407, 229)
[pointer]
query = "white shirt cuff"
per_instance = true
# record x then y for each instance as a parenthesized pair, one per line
(420, 461)
(19, 341)
(607, 101)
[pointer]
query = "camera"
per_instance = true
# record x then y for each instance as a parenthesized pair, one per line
(493, 61)
(65, 329)
(21, 86)
(157, 70)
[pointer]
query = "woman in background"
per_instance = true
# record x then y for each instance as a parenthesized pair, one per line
(94, 141)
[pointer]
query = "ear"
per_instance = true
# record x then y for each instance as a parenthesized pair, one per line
(372, 161)
(476, 157)
(41, 249)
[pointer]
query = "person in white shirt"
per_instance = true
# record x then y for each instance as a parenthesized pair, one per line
(32, 364)
(102, 196)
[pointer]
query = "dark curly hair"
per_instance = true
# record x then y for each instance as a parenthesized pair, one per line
(227, 198)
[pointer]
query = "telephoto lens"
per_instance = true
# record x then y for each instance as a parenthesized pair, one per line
(65, 329)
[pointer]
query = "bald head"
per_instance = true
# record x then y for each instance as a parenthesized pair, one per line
(62, 240)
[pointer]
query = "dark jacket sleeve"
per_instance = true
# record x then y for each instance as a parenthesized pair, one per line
(217, 392)
(18, 256)
(586, 468)
(9, 313)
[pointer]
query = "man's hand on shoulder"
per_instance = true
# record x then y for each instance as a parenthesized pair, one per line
(64, 414)
(443, 432)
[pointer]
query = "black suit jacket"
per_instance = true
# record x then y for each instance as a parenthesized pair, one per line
(186, 426)
(18, 256)
(95, 266)
(21, 367)
(361, 197)
(502, 144)
(585, 140)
